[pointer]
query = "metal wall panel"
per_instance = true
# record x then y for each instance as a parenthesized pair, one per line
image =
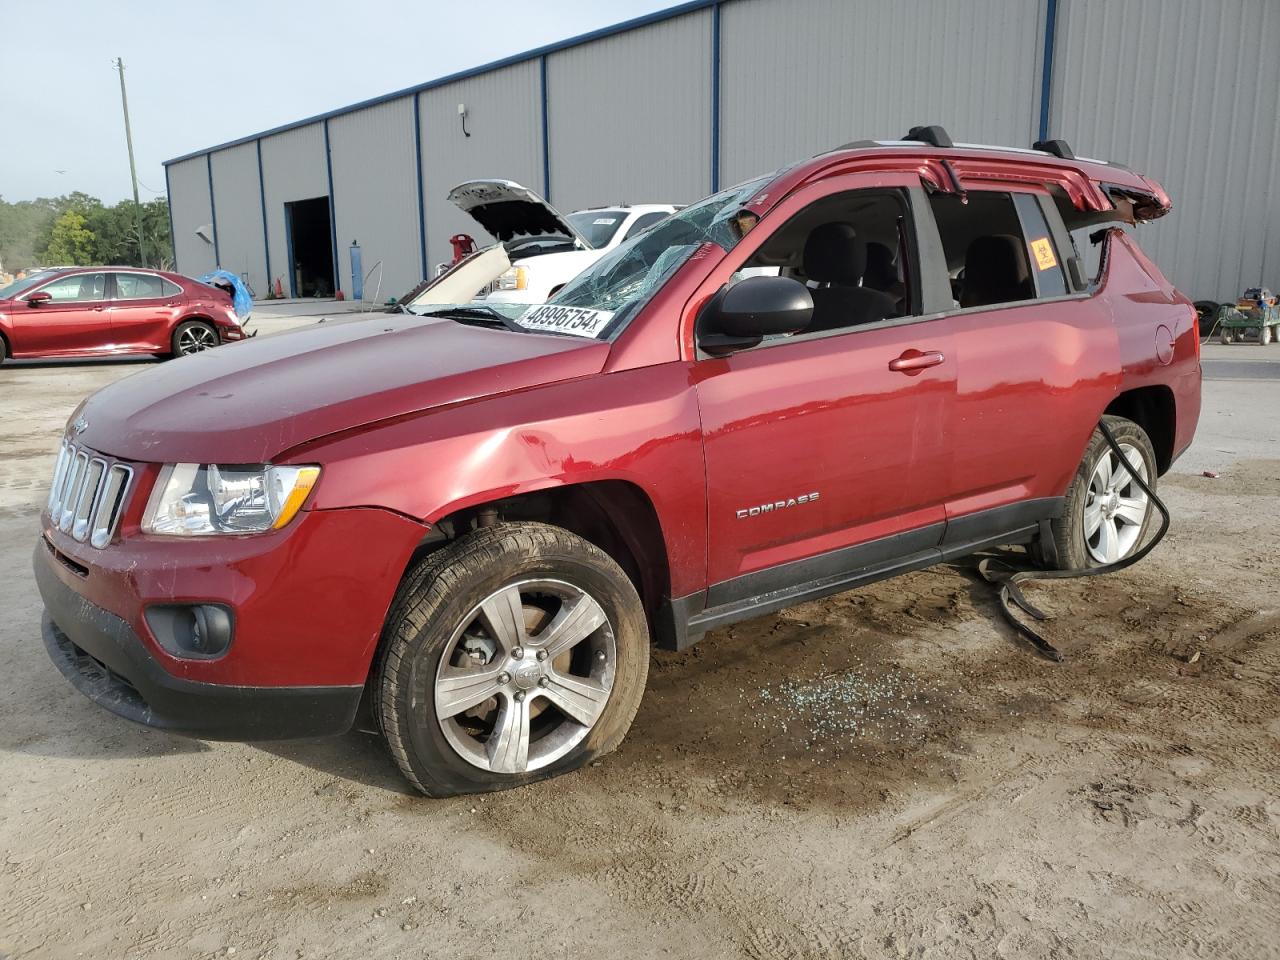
(238, 204)
(1189, 93)
(374, 178)
(504, 118)
(189, 204)
(802, 76)
(293, 168)
(630, 116)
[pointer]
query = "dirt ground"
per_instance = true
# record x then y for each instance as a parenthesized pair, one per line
(887, 773)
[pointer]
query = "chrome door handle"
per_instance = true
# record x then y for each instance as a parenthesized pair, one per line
(913, 361)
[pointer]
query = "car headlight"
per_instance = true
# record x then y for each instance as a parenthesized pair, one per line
(194, 499)
(517, 278)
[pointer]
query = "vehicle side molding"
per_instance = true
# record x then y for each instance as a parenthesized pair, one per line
(683, 620)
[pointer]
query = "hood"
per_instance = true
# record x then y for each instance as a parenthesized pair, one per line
(509, 211)
(249, 402)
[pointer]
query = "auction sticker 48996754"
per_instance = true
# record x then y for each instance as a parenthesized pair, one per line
(579, 321)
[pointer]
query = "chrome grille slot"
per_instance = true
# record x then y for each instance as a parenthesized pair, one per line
(71, 492)
(88, 497)
(88, 494)
(107, 511)
(59, 475)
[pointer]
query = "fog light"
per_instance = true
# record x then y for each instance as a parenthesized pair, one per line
(201, 631)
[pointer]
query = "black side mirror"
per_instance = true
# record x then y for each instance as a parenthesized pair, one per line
(37, 298)
(742, 315)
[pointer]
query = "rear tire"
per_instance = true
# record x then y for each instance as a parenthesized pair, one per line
(1206, 310)
(505, 605)
(1225, 335)
(1265, 336)
(193, 336)
(1107, 516)
(4, 350)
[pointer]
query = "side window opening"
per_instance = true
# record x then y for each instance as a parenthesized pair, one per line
(852, 251)
(139, 286)
(998, 248)
(77, 288)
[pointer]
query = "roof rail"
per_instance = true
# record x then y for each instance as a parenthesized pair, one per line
(1058, 148)
(933, 135)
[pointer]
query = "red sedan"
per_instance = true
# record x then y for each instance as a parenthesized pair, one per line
(112, 311)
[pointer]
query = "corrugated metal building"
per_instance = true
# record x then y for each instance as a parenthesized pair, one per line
(670, 107)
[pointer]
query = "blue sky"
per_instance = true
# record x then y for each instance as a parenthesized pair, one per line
(200, 74)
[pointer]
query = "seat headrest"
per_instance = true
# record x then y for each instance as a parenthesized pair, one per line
(833, 253)
(998, 259)
(882, 270)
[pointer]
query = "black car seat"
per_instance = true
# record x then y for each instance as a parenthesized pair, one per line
(996, 271)
(882, 270)
(835, 257)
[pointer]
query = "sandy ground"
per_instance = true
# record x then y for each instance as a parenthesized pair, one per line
(887, 773)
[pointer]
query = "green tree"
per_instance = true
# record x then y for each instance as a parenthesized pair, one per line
(118, 228)
(70, 241)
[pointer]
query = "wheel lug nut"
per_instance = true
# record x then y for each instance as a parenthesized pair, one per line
(519, 696)
(600, 656)
(542, 654)
(504, 678)
(517, 653)
(542, 681)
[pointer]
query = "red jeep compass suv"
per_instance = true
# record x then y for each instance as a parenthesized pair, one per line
(479, 515)
(112, 311)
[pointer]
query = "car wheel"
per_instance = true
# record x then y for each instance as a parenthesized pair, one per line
(1107, 514)
(193, 336)
(1206, 310)
(4, 350)
(515, 654)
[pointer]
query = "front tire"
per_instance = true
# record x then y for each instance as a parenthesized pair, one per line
(515, 654)
(193, 336)
(1107, 514)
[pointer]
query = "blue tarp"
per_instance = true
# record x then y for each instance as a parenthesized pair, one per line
(242, 300)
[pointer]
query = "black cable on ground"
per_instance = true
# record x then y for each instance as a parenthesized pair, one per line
(1010, 591)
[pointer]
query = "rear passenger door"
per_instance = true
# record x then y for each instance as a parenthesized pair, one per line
(143, 307)
(1037, 361)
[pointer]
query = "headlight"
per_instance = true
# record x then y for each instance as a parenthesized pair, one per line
(517, 278)
(194, 500)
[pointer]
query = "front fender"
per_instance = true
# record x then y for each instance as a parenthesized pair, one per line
(640, 426)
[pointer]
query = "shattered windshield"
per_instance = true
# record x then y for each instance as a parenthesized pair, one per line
(605, 297)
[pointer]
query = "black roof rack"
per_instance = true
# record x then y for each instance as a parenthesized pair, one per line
(1059, 148)
(933, 135)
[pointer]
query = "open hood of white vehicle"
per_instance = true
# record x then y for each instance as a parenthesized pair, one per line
(510, 211)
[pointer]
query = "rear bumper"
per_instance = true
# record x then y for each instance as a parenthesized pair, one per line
(105, 660)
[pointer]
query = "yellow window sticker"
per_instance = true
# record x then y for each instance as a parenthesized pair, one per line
(1043, 250)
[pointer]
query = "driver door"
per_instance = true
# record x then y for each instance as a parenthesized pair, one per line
(72, 321)
(823, 456)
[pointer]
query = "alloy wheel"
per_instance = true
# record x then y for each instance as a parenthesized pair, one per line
(525, 676)
(196, 338)
(1115, 506)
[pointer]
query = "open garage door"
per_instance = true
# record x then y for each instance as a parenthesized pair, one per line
(309, 232)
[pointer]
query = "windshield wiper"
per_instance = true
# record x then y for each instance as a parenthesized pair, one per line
(477, 316)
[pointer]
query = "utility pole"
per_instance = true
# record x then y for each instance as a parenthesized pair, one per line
(133, 170)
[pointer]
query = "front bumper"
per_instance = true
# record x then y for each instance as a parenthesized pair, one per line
(105, 660)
